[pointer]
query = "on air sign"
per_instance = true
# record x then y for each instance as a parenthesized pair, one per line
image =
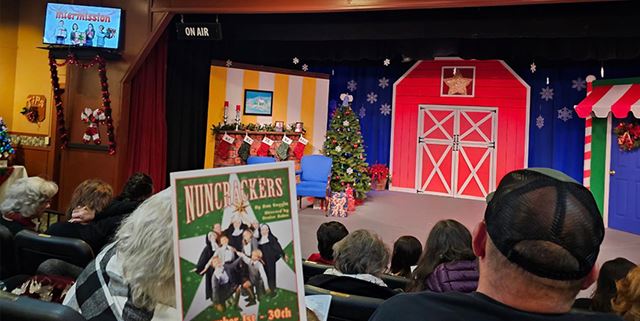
(199, 31)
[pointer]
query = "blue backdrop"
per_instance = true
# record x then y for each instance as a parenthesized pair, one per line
(556, 134)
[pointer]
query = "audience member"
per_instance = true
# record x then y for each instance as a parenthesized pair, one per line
(89, 198)
(359, 259)
(328, 234)
(627, 300)
(406, 252)
(610, 272)
(447, 263)
(537, 247)
(97, 228)
(133, 277)
(26, 199)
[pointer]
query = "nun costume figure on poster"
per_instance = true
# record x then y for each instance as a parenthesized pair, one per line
(271, 253)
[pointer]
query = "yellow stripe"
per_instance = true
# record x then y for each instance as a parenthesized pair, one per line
(251, 81)
(280, 98)
(308, 108)
(215, 115)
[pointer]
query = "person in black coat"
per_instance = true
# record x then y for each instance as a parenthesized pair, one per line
(271, 253)
(234, 232)
(99, 230)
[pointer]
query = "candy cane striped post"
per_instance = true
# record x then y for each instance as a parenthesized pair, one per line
(586, 178)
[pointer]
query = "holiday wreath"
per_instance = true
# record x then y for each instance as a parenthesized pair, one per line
(628, 135)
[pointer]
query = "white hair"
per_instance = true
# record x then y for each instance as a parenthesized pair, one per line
(145, 247)
(28, 194)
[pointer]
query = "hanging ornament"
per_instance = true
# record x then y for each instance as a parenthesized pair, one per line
(547, 80)
(228, 63)
(602, 70)
(345, 123)
(386, 62)
(349, 170)
(533, 67)
(305, 67)
(92, 118)
(338, 149)
(296, 60)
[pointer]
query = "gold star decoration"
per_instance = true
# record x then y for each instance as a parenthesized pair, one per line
(457, 84)
(240, 207)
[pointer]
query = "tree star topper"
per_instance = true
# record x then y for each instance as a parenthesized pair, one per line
(457, 84)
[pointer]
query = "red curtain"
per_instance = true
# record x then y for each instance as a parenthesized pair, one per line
(147, 149)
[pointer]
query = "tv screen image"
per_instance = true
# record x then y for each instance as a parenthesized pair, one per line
(83, 26)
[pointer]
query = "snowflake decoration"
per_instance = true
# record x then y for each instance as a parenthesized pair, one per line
(565, 114)
(305, 67)
(372, 97)
(363, 112)
(345, 123)
(579, 84)
(546, 93)
(383, 82)
(296, 60)
(385, 109)
(386, 62)
(349, 170)
(533, 67)
(338, 149)
(228, 63)
(540, 122)
(352, 85)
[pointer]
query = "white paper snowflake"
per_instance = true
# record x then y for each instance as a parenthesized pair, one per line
(352, 85)
(228, 63)
(372, 97)
(540, 122)
(363, 112)
(385, 109)
(349, 170)
(387, 62)
(383, 82)
(296, 60)
(345, 123)
(565, 114)
(533, 67)
(546, 93)
(305, 67)
(579, 84)
(338, 149)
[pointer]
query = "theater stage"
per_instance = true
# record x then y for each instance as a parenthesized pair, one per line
(393, 214)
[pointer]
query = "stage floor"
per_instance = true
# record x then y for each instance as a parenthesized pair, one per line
(393, 214)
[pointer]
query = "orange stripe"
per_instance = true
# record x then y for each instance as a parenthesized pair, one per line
(280, 98)
(307, 110)
(215, 115)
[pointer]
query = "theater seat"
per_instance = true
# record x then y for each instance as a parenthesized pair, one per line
(18, 308)
(33, 249)
(394, 281)
(346, 307)
(7, 254)
(310, 269)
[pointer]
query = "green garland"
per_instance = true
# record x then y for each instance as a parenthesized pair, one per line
(220, 128)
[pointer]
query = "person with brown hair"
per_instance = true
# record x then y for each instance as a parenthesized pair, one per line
(406, 252)
(610, 272)
(89, 198)
(627, 301)
(447, 262)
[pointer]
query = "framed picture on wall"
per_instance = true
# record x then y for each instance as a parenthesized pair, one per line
(258, 102)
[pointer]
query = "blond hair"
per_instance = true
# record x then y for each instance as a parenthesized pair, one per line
(145, 246)
(626, 303)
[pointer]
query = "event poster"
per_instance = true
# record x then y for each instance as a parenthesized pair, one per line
(84, 26)
(237, 250)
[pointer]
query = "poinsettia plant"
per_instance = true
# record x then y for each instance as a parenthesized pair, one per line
(628, 136)
(378, 172)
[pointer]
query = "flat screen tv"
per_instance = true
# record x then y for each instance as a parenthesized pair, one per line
(82, 26)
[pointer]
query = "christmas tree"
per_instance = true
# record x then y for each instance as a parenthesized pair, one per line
(344, 145)
(6, 150)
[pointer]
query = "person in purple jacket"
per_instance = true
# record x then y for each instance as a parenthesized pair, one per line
(447, 262)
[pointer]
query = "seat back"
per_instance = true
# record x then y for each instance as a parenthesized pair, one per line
(315, 168)
(19, 308)
(260, 160)
(395, 282)
(7, 254)
(33, 249)
(346, 307)
(310, 269)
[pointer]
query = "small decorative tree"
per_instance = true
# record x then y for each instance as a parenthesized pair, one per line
(344, 145)
(6, 150)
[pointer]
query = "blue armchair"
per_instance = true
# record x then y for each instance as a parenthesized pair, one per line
(260, 160)
(314, 177)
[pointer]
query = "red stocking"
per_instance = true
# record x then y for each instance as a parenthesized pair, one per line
(264, 146)
(298, 151)
(222, 150)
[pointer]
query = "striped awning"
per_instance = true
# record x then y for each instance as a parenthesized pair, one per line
(619, 99)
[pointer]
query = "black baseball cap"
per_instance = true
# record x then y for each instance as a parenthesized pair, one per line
(545, 222)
